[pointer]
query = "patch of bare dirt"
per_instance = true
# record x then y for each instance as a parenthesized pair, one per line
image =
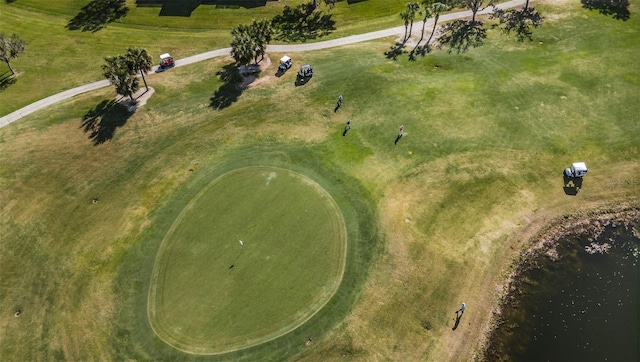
(140, 98)
(250, 73)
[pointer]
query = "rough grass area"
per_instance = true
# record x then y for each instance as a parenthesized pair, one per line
(436, 220)
(253, 256)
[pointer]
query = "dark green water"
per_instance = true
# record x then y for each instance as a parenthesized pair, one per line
(581, 307)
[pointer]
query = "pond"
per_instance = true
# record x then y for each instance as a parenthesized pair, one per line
(579, 306)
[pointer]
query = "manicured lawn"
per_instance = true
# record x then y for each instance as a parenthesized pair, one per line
(212, 294)
(431, 222)
(75, 57)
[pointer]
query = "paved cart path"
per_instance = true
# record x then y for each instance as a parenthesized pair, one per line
(289, 48)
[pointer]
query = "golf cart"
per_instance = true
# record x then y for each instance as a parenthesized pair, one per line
(166, 62)
(577, 169)
(305, 71)
(285, 63)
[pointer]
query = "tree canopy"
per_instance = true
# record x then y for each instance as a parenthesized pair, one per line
(250, 41)
(10, 48)
(120, 72)
(140, 61)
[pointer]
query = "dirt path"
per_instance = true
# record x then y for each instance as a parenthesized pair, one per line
(290, 48)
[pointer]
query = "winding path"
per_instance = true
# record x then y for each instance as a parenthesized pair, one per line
(289, 48)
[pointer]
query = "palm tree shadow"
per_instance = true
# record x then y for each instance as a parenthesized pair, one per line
(619, 9)
(395, 51)
(97, 14)
(102, 121)
(230, 91)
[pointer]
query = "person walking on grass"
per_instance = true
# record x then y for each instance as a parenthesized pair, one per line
(462, 308)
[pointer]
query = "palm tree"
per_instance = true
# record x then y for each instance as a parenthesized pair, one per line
(431, 9)
(413, 8)
(242, 47)
(140, 61)
(119, 72)
(405, 16)
(435, 9)
(261, 35)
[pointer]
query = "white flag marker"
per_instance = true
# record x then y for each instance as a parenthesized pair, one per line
(241, 243)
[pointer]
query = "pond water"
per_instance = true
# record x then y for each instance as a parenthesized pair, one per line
(580, 307)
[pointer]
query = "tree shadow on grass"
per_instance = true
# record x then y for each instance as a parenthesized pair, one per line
(230, 91)
(460, 35)
(619, 9)
(101, 121)
(6, 81)
(302, 23)
(395, 51)
(97, 14)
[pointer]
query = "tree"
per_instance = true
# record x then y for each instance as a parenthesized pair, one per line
(140, 61)
(119, 71)
(431, 10)
(260, 31)
(475, 6)
(404, 15)
(242, 45)
(413, 9)
(10, 48)
(250, 41)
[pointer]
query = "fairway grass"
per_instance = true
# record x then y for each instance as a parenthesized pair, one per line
(212, 294)
(435, 220)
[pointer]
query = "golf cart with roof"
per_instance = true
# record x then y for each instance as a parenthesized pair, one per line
(305, 71)
(577, 169)
(166, 62)
(285, 63)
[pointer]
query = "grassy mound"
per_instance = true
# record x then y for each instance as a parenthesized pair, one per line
(212, 294)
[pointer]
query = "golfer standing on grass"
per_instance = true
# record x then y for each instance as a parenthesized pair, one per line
(462, 308)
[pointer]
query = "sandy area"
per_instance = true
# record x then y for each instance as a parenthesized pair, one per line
(141, 97)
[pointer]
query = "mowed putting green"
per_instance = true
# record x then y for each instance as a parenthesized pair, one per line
(212, 294)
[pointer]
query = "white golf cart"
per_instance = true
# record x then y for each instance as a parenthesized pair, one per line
(577, 169)
(285, 63)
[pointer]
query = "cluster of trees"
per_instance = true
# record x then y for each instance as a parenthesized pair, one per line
(299, 23)
(460, 35)
(121, 70)
(10, 48)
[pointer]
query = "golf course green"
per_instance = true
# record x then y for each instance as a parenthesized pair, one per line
(254, 255)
